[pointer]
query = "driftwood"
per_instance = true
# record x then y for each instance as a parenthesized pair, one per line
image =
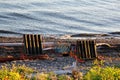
(11, 44)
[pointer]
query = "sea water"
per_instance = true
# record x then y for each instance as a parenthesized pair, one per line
(59, 16)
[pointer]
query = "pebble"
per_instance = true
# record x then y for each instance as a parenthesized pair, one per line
(55, 65)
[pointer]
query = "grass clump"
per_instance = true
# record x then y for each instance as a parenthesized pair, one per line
(117, 65)
(97, 72)
(100, 72)
(14, 72)
(64, 77)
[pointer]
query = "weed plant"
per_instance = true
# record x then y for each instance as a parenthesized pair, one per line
(97, 72)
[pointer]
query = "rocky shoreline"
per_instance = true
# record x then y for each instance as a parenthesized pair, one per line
(64, 63)
(110, 56)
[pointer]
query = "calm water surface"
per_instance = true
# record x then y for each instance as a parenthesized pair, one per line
(60, 16)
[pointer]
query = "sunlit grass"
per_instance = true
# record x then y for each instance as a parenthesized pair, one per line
(14, 72)
(97, 72)
(100, 72)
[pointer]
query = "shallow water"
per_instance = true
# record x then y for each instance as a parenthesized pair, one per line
(60, 16)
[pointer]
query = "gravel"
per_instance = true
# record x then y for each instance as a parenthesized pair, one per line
(59, 63)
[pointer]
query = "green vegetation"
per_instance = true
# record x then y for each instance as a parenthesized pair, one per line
(117, 66)
(14, 72)
(97, 72)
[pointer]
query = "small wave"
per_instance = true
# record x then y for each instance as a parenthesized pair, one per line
(2, 16)
(90, 35)
(118, 33)
(6, 17)
(22, 16)
(39, 4)
(8, 32)
(10, 6)
(41, 31)
(66, 17)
